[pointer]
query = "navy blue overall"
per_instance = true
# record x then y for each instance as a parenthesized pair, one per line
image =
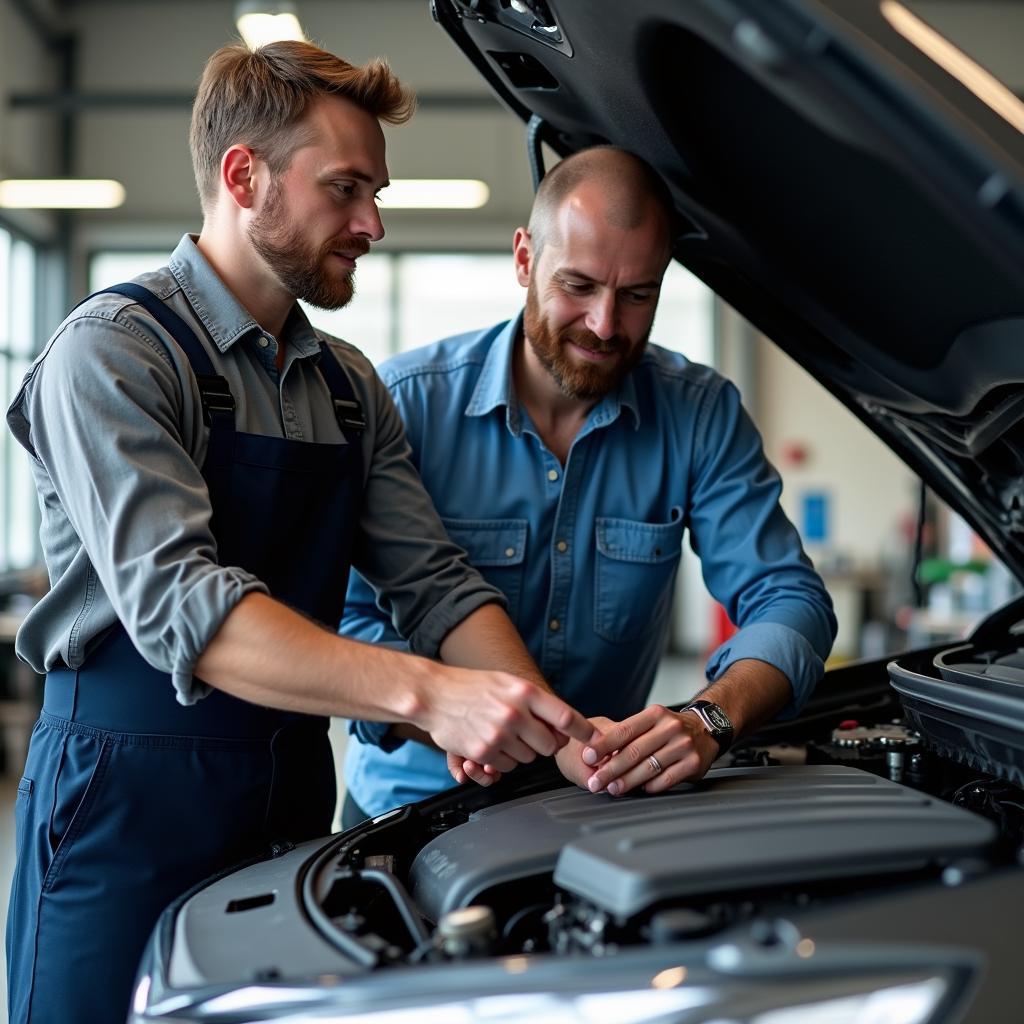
(130, 798)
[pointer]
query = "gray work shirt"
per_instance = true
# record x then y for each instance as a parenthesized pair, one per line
(111, 417)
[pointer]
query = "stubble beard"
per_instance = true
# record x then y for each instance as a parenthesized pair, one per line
(301, 268)
(577, 380)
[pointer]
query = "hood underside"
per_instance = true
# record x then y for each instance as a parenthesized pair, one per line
(857, 202)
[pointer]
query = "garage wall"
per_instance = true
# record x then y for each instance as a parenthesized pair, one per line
(868, 488)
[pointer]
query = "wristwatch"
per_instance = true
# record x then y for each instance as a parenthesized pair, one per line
(715, 720)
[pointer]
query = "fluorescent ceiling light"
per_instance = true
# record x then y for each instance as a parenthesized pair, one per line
(262, 22)
(435, 194)
(61, 194)
(984, 85)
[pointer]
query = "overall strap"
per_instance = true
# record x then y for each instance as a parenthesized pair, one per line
(347, 409)
(218, 402)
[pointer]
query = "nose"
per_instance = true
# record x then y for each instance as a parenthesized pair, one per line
(601, 315)
(367, 223)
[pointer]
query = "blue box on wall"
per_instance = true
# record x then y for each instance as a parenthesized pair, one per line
(814, 516)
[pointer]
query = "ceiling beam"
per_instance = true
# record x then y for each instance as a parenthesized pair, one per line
(74, 101)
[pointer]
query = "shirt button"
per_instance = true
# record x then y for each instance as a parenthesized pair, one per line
(554, 625)
(562, 546)
(552, 475)
(509, 552)
(264, 341)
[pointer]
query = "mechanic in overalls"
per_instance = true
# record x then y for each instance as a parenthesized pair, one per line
(208, 467)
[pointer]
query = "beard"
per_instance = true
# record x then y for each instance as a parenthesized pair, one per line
(589, 381)
(300, 267)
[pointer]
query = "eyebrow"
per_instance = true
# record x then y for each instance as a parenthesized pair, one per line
(572, 272)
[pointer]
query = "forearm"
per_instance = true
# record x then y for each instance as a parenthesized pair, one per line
(487, 639)
(268, 654)
(751, 692)
(484, 639)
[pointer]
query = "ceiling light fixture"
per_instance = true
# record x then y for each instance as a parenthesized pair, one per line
(60, 194)
(435, 194)
(984, 85)
(260, 22)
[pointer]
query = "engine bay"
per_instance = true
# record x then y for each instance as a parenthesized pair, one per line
(771, 832)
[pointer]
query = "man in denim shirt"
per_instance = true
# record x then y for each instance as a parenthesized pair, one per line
(569, 458)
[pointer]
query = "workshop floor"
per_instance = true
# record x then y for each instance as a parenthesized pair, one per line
(677, 680)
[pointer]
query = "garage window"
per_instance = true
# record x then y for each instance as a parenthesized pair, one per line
(18, 517)
(404, 300)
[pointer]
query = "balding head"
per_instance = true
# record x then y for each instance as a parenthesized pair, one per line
(630, 192)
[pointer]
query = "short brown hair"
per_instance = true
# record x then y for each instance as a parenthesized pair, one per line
(256, 97)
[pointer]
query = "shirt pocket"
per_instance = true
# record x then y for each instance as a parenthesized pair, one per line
(497, 548)
(636, 567)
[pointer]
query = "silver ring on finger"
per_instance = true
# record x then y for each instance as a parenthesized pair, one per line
(655, 764)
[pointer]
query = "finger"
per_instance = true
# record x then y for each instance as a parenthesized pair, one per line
(619, 735)
(628, 759)
(533, 733)
(687, 768)
(559, 715)
(669, 759)
(455, 768)
(501, 761)
(476, 772)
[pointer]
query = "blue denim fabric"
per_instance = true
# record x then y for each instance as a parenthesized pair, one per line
(587, 554)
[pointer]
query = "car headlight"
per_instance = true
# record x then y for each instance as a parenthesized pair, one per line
(902, 1004)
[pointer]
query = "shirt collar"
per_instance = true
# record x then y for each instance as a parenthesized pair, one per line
(223, 316)
(496, 387)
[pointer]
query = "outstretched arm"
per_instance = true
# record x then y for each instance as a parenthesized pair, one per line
(268, 654)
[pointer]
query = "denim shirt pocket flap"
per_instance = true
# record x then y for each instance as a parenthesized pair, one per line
(490, 543)
(627, 540)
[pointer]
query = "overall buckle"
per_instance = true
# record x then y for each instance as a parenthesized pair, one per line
(215, 395)
(350, 416)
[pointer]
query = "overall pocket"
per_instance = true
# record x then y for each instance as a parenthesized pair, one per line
(497, 548)
(22, 806)
(82, 771)
(636, 565)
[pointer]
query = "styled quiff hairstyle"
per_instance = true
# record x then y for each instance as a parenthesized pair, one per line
(257, 97)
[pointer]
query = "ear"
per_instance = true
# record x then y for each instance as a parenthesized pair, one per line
(522, 255)
(237, 175)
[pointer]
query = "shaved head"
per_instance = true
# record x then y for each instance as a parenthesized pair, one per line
(631, 191)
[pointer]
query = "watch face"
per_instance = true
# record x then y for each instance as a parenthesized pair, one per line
(717, 717)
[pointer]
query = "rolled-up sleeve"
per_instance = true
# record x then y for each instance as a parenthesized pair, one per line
(418, 573)
(101, 413)
(751, 556)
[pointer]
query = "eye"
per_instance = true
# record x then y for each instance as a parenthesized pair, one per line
(576, 287)
(345, 188)
(640, 297)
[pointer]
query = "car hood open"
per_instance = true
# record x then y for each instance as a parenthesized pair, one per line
(844, 179)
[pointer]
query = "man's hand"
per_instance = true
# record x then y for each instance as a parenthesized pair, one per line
(496, 719)
(462, 769)
(656, 749)
(570, 758)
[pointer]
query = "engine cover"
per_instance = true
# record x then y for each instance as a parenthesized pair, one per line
(737, 829)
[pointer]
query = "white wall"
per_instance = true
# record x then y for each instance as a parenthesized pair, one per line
(870, 489)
